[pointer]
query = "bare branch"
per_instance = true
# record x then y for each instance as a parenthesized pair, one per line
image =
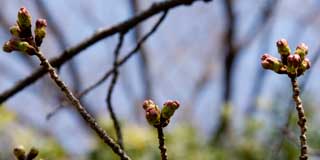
(99, 35)
(124, 59)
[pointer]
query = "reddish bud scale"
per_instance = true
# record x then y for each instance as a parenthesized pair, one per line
(40, 31)
(270, 62)
(283, 47)
(302, 50)
(294, 60)
(169, 107)
(24, 22)
(153, 116)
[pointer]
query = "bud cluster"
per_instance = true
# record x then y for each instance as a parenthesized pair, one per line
(156, 117)
(20, 153)
(22, 39)
(293, 65)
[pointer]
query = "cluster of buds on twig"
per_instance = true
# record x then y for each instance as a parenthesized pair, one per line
(293, 65)
(22, 39)
(155, 117)
(20, 153)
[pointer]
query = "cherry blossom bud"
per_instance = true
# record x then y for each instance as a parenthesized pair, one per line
(169, 107)
(148, 104)
(19, 153)
(270, 62)
(15, 31)
(293, 62)
(24, 22)
(40, 31)
(18, 45)
(7, 47)
(305, 65)
(153, 115)
(283, 47)
(302, 50)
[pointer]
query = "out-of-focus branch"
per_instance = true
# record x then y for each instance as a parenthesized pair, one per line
(232, 49)
(230, 53)
(124, 59)
(143, 56)
(115, 74)
(259, 24)
(99, 35)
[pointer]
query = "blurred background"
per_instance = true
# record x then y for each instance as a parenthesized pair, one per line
(207, 56)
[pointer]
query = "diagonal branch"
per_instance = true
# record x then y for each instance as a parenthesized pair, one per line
(99, 35)
(83, 112)
(124, 59)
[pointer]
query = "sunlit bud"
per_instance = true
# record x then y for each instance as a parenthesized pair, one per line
(32, 154)
(19, 153)
(294, 60)
(302, 50)
(40, 31)
(24, 22)
(153, 115)
(270, 62)
(305, 65)
(15, 30)
(169, 108)
(148, 104)
(283, 47)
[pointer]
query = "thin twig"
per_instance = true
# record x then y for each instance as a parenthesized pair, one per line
(99, 35)
(83, 112)
(124, 59)
(162, 147)
(115, 73)
(302, 119)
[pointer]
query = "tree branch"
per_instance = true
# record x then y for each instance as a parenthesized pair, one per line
(83, 112)
(99, 35)
(124, 59)
(301, 119)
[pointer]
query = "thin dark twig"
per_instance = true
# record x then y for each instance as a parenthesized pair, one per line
(162, 147)
(115, 73)
(302, 119)
(124, 59)
(99, 35)
(83, 112)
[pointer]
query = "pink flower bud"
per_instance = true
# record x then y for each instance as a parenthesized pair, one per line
(40, 31)
(153, 116)
(270, 62)
(283, 47)
(302, 50)
(169, 108)
(294, 60)
(148, 104)
(24, 19)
